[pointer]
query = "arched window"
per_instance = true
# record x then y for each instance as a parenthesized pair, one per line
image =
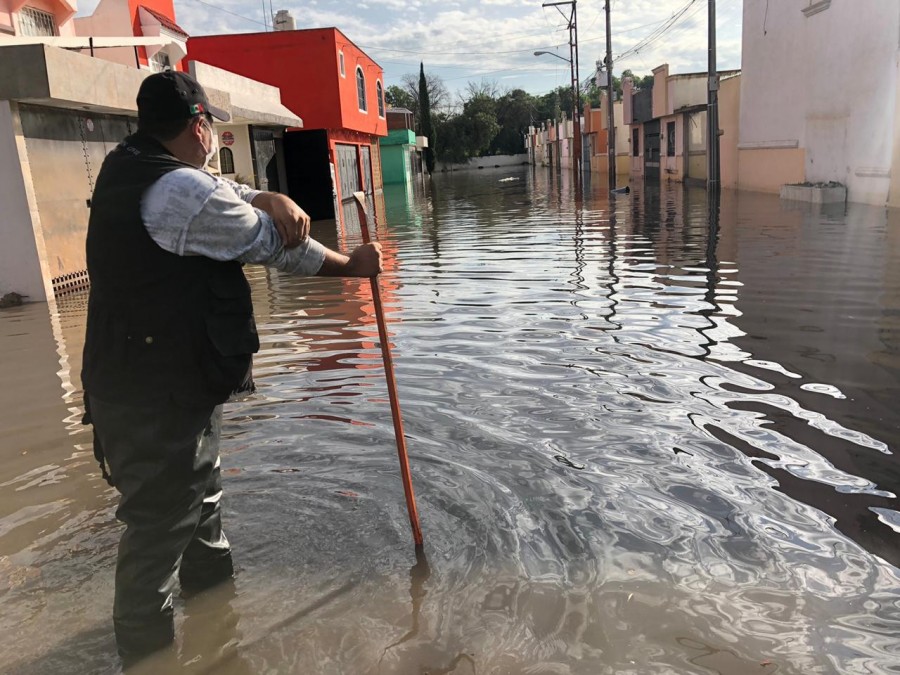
(361, 90)
(379, 92)
(341, 61)
(226, 161)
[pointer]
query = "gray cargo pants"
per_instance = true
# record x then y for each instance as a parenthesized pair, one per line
(164, 461)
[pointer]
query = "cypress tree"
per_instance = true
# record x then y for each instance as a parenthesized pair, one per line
(426, 128)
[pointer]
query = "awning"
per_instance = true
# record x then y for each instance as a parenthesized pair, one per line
(252, 102)
(157, 25)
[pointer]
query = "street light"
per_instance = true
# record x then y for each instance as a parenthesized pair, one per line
(569, 61)
(576, 113)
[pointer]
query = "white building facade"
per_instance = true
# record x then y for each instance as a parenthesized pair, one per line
(819, 96)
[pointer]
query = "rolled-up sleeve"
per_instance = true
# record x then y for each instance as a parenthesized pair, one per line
(190, 212)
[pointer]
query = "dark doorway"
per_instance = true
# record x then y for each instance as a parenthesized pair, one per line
(308, 170)
(265, 162)
(651, 150)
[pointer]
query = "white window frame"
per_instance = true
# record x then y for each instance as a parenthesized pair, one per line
(379, 94)
(156, 64)
(37, 19)
(341, 63)
(362, 102)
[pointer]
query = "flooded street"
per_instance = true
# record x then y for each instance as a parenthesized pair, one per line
(644, 440)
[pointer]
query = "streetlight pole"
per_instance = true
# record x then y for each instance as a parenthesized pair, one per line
(611, 116)
(572, 20)
(712, 108)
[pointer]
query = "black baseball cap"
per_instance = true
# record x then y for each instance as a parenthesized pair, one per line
(173, 95)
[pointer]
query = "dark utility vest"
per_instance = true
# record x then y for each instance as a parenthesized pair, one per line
(160, 327)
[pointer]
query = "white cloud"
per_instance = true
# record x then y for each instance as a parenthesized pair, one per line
(470, 39)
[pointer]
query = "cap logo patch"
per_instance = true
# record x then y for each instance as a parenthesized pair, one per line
(197, 108)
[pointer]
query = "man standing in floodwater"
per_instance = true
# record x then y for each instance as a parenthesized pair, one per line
(170, 337)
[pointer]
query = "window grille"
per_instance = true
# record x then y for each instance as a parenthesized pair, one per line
(35, 22)
(379, 93)
(226, 161)
(361, 90)
(160, 62)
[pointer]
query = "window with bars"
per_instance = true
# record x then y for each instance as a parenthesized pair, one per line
(160, 62)
(226, 161)
(670, 139)
(36, 22)
(379, 93)
(361, 90)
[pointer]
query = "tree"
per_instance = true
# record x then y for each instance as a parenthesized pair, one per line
(438, 96)
(425, 122)
(515, 113)
(398, 97)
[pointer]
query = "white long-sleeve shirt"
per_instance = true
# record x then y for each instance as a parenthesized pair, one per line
(192, 212)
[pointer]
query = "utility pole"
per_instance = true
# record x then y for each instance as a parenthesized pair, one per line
(712, 108)
(610, 114)
(572, 21)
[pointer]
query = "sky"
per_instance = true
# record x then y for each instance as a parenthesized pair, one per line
(492, 40)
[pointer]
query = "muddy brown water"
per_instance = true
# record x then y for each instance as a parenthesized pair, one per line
(644, 439)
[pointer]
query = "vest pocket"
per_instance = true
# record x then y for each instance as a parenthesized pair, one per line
(232, 334)
(229, 321)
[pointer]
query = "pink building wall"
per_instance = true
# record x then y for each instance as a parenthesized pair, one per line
(63, 12)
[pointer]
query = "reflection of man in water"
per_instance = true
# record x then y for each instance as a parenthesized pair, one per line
(170, 334)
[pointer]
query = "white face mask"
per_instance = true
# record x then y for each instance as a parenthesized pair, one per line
(212, 155)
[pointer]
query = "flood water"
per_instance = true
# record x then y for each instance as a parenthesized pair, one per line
(644, 440)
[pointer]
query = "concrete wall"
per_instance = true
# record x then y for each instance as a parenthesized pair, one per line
(494, 161)
(825, 85)
(766, 170)
(111, 18)
(687, 90)
(240, 149)
(729, 119)
(23, 248)
(661, 90)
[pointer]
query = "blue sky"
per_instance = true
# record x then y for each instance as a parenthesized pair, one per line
(495, 40)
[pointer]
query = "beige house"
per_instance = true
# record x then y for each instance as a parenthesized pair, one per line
(667, 139)
(596, 121)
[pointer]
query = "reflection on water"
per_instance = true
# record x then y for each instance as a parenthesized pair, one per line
(651, 435)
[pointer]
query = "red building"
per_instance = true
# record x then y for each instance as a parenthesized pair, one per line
(337, 90)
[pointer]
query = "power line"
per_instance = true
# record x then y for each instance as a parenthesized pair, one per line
(228, 11)
(658, 33)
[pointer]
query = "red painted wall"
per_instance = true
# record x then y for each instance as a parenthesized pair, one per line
(164, 7)
(303, 64)
(351, 115)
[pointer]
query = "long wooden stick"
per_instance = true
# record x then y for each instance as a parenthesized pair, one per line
(391, 383)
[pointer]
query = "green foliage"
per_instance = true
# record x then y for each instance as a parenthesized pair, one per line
(488, 120)
(398, 97)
